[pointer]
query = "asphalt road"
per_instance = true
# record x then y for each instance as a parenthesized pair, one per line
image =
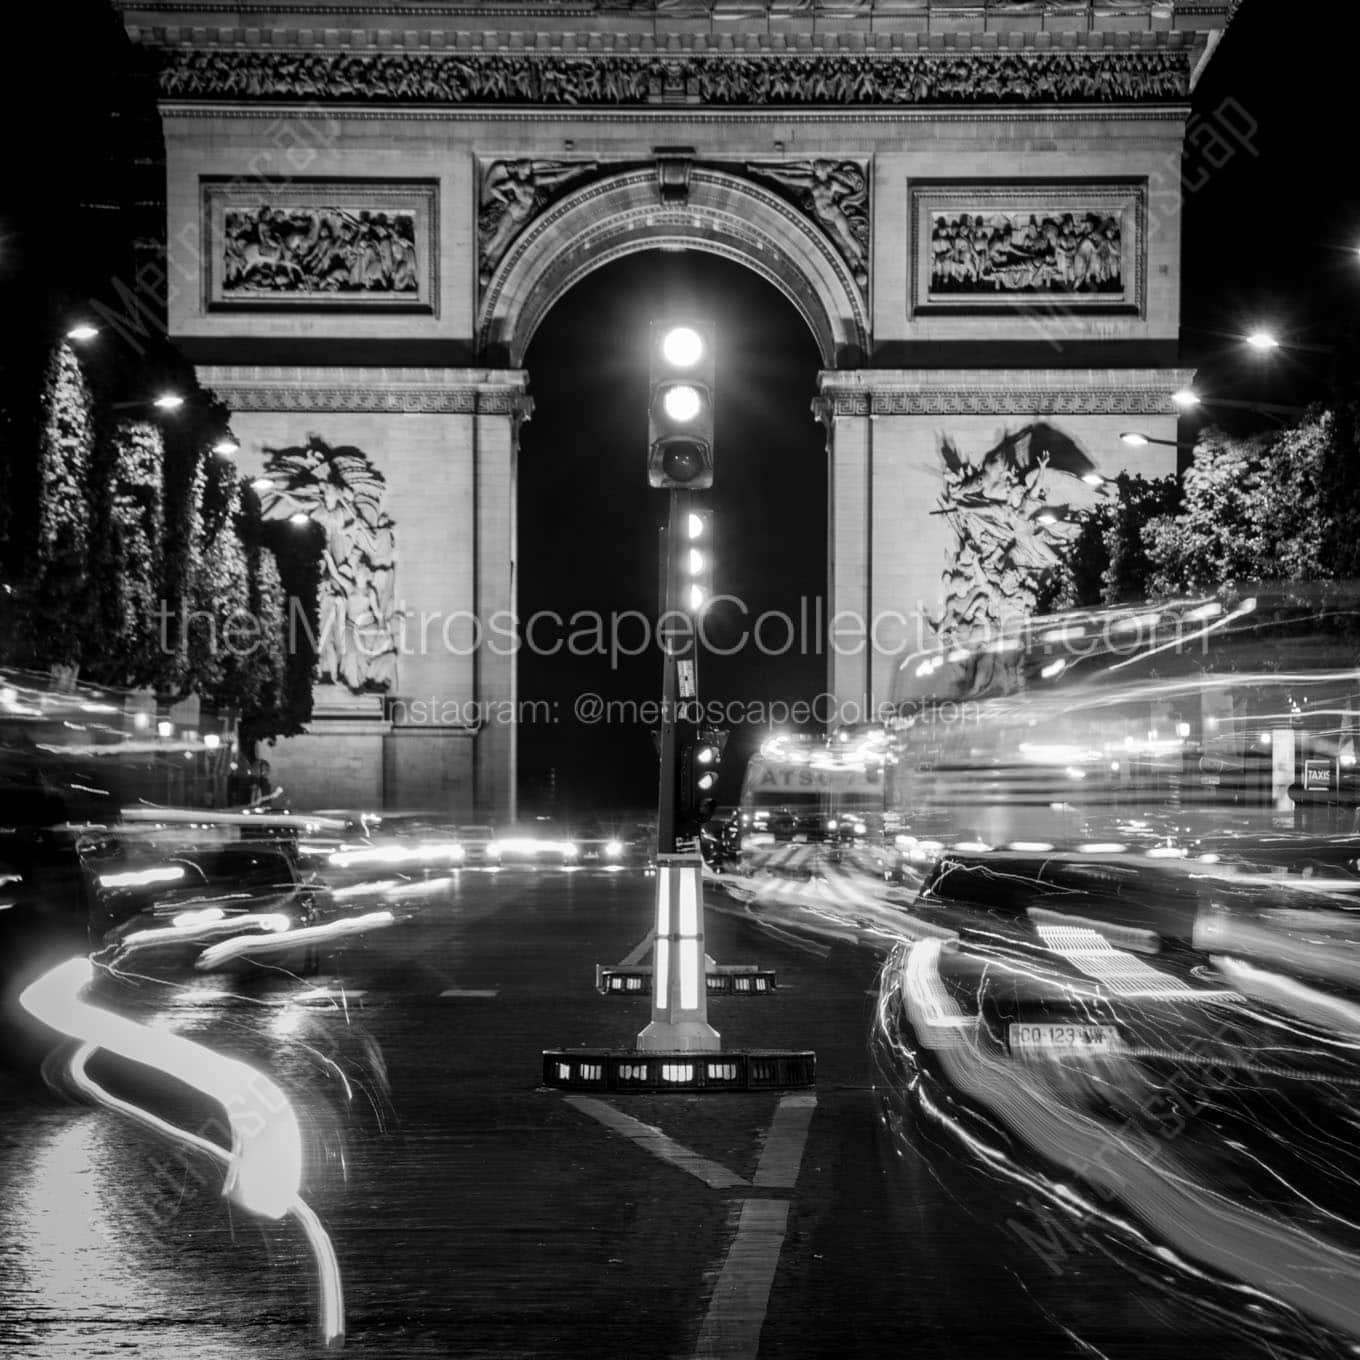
(475, 1213)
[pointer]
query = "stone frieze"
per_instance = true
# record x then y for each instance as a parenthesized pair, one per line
(831, 78)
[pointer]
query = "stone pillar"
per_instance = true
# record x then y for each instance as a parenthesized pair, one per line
(501, 405)
(850, 501)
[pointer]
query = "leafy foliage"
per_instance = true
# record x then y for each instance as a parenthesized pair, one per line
(1108, 562)
(1254, 510)
(57, 590)
(129, 532)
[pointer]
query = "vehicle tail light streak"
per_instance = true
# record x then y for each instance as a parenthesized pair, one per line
(287, 942)
(1207, 1205)
(264, 1163)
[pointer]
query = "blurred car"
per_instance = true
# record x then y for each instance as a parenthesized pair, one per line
(178, 902)
(403, 843)
(532, 844)
(602, 846)
(1153, 1052)
(477, 841)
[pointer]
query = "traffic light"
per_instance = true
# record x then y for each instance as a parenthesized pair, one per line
(693, 562)
(698, 772)
(680, 408)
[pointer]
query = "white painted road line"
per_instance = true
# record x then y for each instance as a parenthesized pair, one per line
(490, 993)
(783, 1151)
(736, 1313)
(658, 1144)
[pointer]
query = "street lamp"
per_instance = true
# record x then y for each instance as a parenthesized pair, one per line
(168, 401)
(1262, 341)
(82, 332)
(1137, 439)
(1187, 398)
(226, 447)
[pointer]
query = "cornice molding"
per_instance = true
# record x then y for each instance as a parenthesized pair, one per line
(870, 393)
(935, 16)
(448, 391)
(216, 111)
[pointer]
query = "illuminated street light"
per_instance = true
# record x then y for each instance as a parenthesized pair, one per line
(82, 332)
(226, 448)
(1093, 479)
(1262, 341)
(299, 517)
(1137, 439)
(168, 401)
(1186, 398)
(262, 484)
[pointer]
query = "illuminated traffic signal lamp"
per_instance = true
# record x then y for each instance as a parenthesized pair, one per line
(694, 561)
(698, 792)
(680, 409)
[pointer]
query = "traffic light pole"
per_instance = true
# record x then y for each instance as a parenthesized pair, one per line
(679, 972)
(670, 684)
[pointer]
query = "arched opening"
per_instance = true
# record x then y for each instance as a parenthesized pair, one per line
(588, 528)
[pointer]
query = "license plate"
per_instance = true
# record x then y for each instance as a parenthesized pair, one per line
(1050, 1038)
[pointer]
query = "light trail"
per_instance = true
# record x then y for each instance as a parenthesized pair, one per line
(287, 942)
(264, 1163)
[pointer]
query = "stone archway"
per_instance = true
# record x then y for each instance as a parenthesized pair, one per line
(717, 211)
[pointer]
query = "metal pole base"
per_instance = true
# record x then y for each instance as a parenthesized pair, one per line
(679, 1036)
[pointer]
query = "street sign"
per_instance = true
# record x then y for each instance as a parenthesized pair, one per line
(1319, 776)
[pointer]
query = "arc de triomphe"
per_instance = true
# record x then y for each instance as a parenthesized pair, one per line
(974, 206)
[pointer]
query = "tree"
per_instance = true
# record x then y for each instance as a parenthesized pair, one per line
(56, 589)
(1254, 510)
(222, 639)
(1108, 562)
(127, 552)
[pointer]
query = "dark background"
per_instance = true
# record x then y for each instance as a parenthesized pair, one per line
(1270, 236)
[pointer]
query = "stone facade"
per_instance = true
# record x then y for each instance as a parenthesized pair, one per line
(371, 208)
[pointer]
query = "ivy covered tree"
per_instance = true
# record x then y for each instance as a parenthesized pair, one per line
(127, 553)
(222, 638)
(56, 589)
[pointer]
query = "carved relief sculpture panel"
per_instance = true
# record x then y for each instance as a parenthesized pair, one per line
(833, 78)
(1013, 512)
(362, 245)
(511, 193)
(983, 247)
(835, 195)
(341, 491)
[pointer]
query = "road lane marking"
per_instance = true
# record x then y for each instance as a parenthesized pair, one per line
(736, 1313)
(783, 1151)
(489, 992)
(652, 1140)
